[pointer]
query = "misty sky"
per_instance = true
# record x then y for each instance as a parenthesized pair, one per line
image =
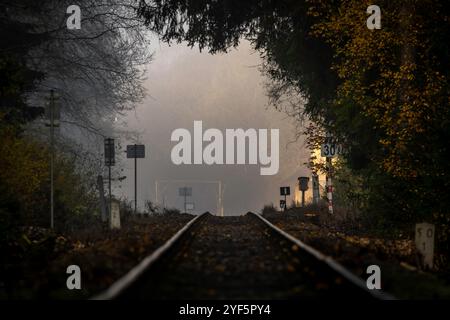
(224, 91)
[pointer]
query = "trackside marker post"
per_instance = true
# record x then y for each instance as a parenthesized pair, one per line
(330, 150)
(115, 215)
(425, 244)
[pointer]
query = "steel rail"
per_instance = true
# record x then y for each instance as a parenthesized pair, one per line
(132, 276)
(118, 287)
(330, 262)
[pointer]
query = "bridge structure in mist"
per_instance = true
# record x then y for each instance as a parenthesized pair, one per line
(161, 187)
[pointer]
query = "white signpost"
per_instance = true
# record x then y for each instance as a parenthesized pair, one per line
(329, 150)
(425, 243)
(115, 215)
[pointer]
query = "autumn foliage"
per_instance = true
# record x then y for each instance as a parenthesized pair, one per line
(383, 93)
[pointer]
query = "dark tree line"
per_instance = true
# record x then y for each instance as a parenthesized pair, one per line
(97, 72)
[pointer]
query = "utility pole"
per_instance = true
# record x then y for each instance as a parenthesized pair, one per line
(52, 156)
(52, 115)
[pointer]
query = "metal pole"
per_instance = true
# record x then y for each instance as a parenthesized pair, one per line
(222, 191)
(285, 203)
(329, 186)
(101, 189)
(135, 180)
(52, 151)
(110, 194)
(220, 213)
(185, 191)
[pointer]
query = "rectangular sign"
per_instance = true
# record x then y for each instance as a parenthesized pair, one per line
(110, 154)
(136, 151)
(425, 243)
(185, 192)
(330, 150)
(303, 183)
(285, 191)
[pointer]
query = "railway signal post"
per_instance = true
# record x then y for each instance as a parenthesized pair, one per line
(329, 150)
(303, 186)
(135, 151)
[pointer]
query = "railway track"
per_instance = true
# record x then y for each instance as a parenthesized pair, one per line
(238, 257)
